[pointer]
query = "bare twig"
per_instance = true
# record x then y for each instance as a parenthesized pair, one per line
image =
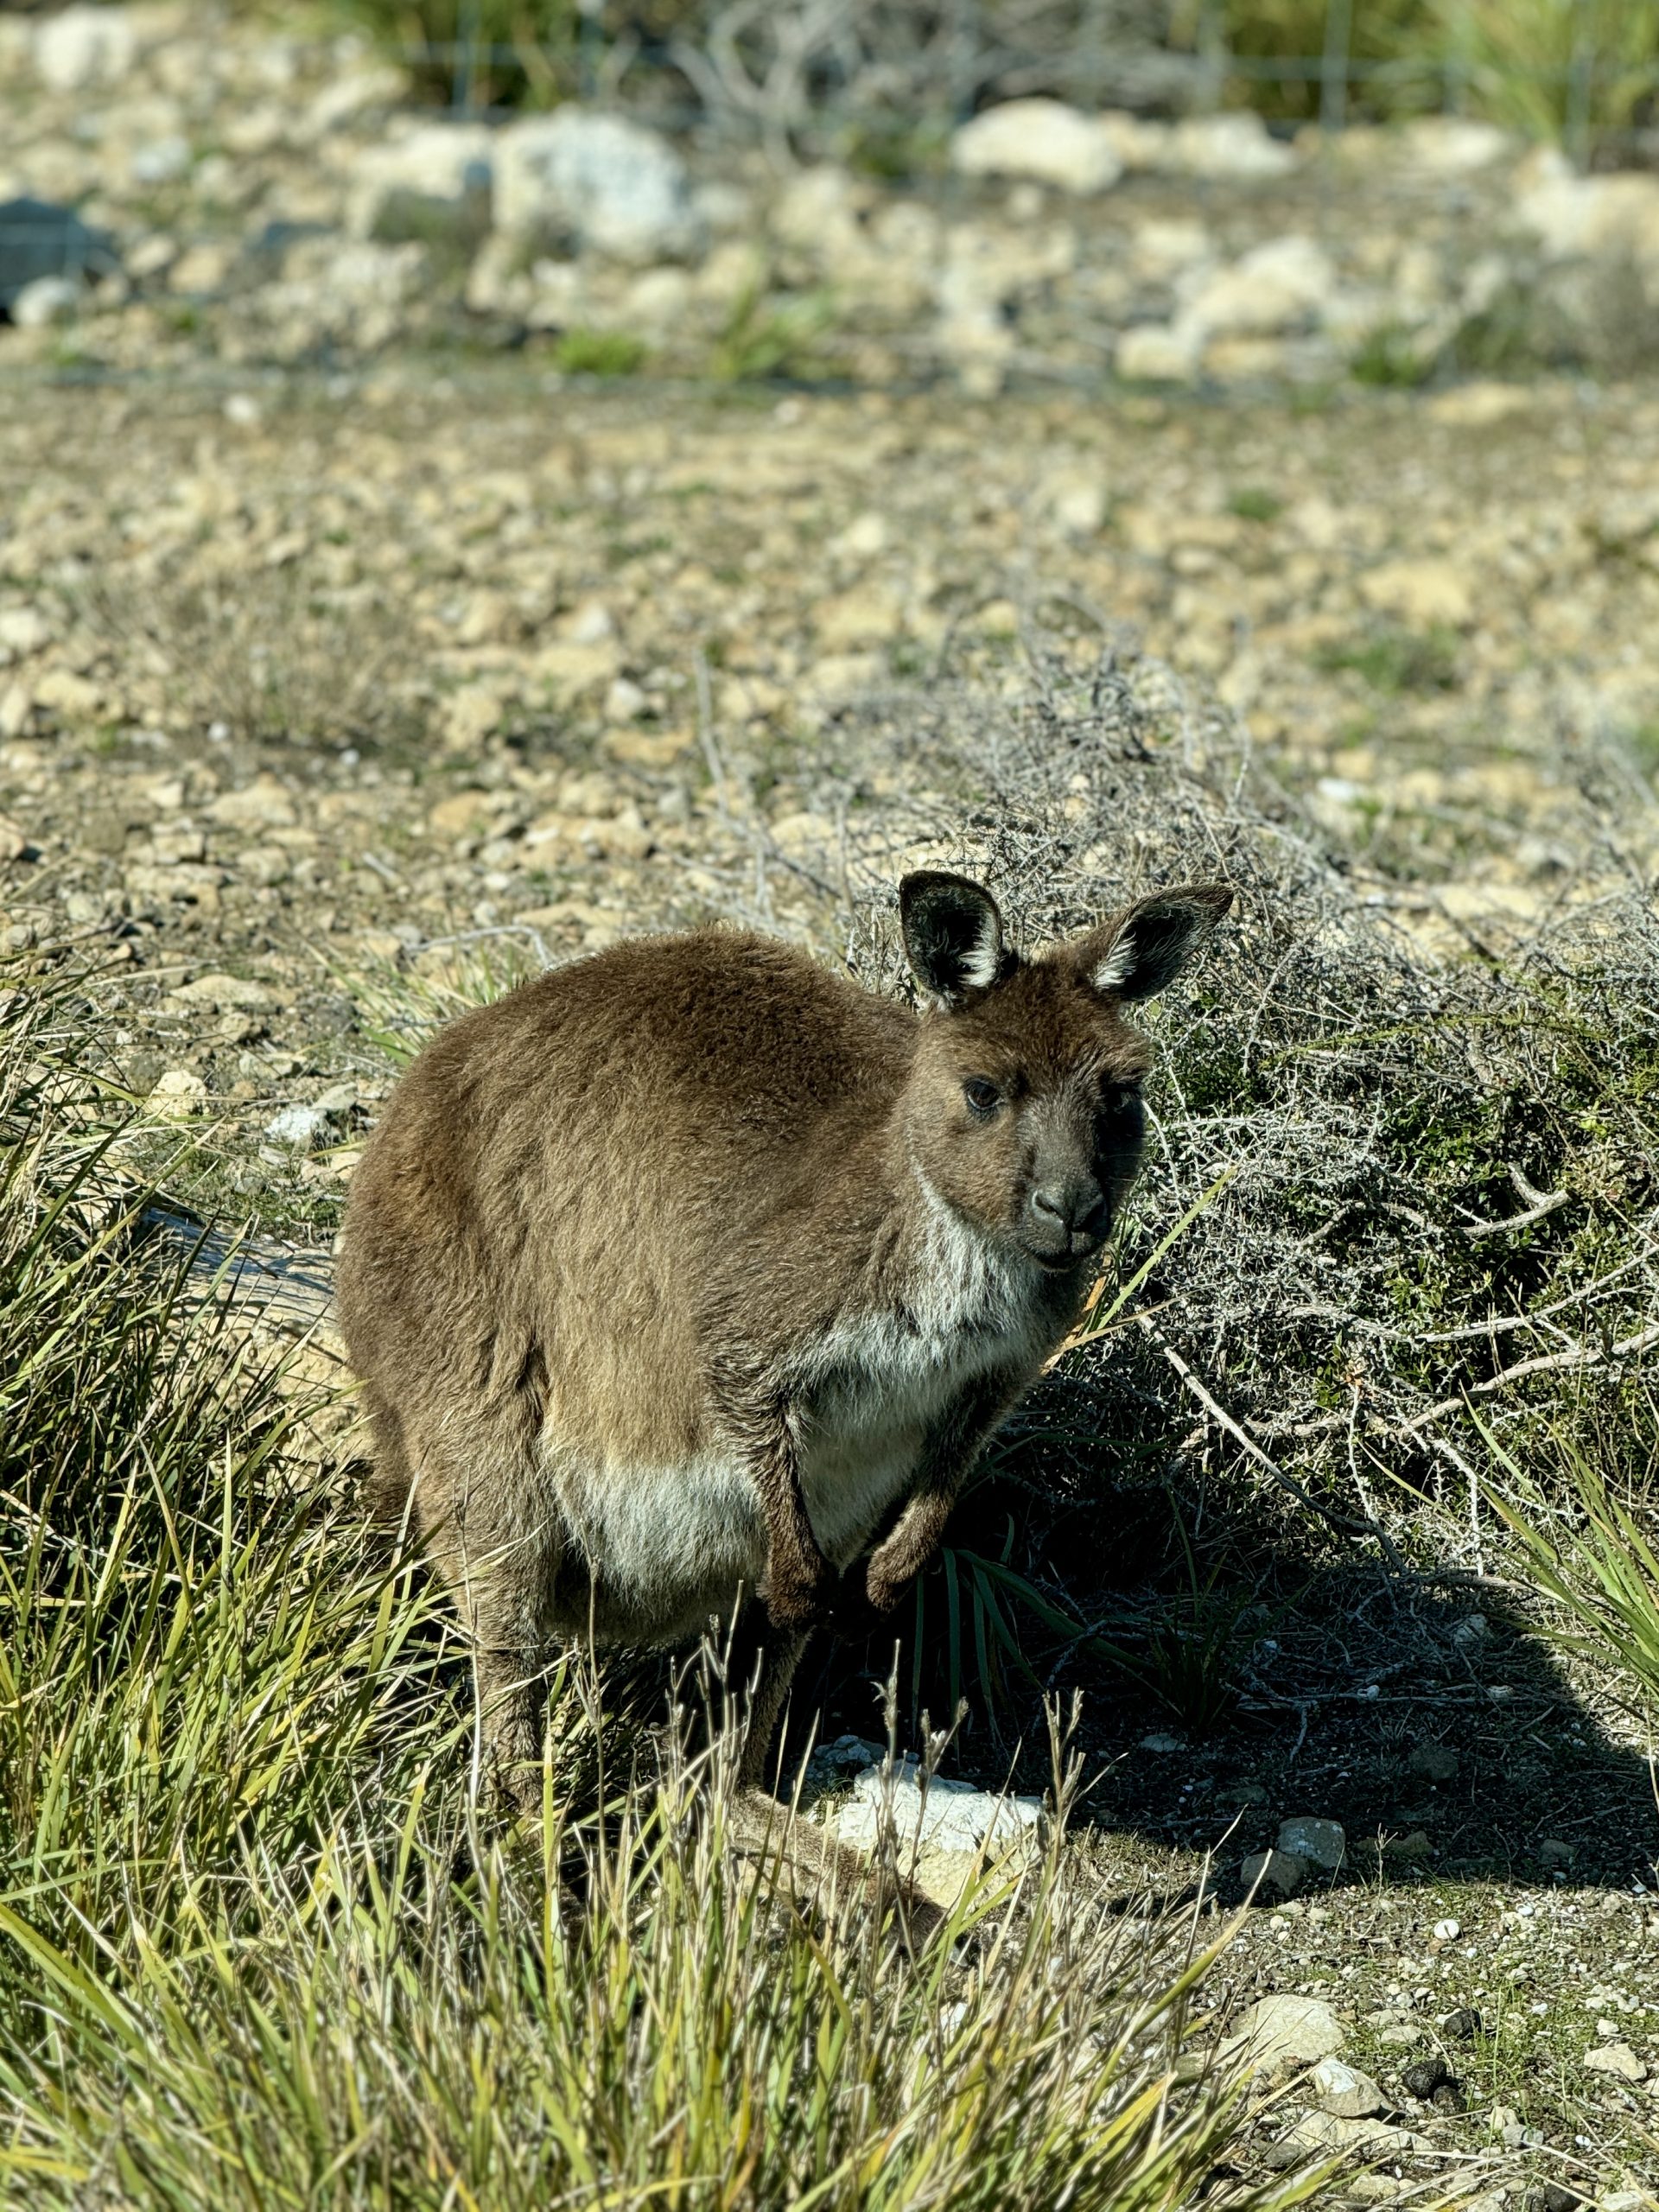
(1496, 1324)
(708, 741)
(1579, 1355)
(1538, 1202)
(1351, 1523)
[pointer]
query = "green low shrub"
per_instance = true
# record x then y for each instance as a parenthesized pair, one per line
(583, 352)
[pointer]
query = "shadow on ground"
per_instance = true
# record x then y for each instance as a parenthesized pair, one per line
(1247, 1667)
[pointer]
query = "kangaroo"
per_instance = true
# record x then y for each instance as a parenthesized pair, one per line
(692, 1269)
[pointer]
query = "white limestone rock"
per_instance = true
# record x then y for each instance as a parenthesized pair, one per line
(435, 177)
(1345, 2091)
(1043, 141)
(595, 182)
(1454, 145)
(1228, 148)
(1159, 352)
(1286, 2031)
(46, 300)
(1276, 287)
(948, 1816)
(1594, 217)
(81, 46)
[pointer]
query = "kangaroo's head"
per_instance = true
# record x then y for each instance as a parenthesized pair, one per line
(1023, 1108)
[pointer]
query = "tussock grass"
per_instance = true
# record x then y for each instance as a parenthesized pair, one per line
(260, 1944)
(1582, 1505)
(279, 657)
(401, 1006)
(1579, 70)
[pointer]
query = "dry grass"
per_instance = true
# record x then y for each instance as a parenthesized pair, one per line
(265, 655)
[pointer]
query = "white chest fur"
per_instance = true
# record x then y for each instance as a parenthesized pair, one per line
(879, 1379)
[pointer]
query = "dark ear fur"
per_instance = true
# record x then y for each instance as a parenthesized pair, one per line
(1144, 950)
(953, 934)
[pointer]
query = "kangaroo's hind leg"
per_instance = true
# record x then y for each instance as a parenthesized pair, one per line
(494, 1531)
(810, 1862)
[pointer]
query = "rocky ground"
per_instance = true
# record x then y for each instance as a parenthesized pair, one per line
(359, 647)
(370, 666)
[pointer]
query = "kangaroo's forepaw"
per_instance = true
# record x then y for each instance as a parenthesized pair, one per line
(800, 1601)
(887, 1583)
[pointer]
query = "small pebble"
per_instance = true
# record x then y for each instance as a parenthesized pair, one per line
(1268, 1875)
(297, 1125)
(1617, 2059)
(1244, 1793)
(1322, 1843)
(1425, 2077)
(1446, 1931)
(1345, 2092)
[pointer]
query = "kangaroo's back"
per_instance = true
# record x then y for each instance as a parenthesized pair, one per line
(562, 1173)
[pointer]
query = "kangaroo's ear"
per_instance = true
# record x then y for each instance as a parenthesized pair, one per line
(953, 934)
(1143, 951)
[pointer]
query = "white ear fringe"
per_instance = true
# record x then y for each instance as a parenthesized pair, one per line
(979, 966)
(1114, 970)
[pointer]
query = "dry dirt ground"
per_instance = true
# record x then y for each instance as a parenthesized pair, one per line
(318, 699)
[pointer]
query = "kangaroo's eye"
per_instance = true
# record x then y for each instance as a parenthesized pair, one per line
(984, 1098)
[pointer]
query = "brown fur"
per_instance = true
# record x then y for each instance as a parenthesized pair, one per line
(693, 1266)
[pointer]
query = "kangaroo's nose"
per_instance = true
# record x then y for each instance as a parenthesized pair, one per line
(1069, 1213)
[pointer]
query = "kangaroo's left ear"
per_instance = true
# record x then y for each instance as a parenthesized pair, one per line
(953, 934)
(1141, 952)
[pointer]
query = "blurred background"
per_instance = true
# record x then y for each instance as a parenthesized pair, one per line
(180, 155)
(638, 396)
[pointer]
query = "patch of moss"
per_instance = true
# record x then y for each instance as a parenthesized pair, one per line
(1393, 659)
(583, 352)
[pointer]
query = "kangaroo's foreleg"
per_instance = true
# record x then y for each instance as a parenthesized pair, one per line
(756, 1418)
(947, 1457)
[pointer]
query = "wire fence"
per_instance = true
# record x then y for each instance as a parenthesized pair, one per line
(1585, 72)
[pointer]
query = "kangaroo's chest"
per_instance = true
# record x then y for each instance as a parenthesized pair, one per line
(880, 1383)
